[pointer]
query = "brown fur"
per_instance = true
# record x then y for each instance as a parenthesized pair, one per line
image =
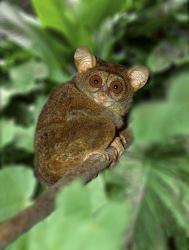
(72, 125)
(65, 133)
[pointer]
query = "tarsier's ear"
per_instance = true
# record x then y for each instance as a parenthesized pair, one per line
(84, 59)
(138, 76)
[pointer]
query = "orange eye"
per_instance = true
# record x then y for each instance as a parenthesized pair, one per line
(95, 81)
(116, 87)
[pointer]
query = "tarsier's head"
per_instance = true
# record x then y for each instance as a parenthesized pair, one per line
(110, 85)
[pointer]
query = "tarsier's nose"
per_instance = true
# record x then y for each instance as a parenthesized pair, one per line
(102, 95)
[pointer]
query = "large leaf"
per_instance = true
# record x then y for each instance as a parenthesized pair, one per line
(94, 12)
(155, 194)
(179, 91)
(67, 16)
(6, 94)
(158, 121)
(24, 76)
(75, 219)
(26, 31)
(105, 38)
(97, 193)
(17, 186)
(62, 20)
(21, 137)
(158, 189)
(25, 138)
(168, 52)
(8, 131)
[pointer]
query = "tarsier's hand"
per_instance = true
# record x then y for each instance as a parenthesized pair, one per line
(126, 137)
(121, 143)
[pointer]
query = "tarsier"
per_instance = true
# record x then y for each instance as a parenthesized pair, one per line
(84, 116)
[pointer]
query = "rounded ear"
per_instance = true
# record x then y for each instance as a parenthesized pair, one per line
(84, 59)
(138, 76)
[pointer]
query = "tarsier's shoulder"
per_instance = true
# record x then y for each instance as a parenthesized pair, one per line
(63, 90)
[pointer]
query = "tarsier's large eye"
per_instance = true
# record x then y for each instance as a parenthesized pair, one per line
(116, 87)
(95, 81)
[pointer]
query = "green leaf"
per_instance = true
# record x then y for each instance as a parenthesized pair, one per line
(17, 183)
(169, 192)
(69, 203)
(8, 130)
(167, 53)
(6, 94)
(20, 244)
(148, 122)
(181, 240)
(17, 135)
(65, 16)
(144, 230)
(105, 38)
(177, 120)
(24, 76)
(97, 193)
(157, 190)
(159, 121)
(24, 138)
(75, 219)
(147, 231)
(26, 32)
(94, 12)
(63, 20)
(179, 91)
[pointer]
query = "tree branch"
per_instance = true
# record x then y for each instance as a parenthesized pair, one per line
(14, 227)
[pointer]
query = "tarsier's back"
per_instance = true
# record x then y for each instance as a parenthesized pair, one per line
(84, 116)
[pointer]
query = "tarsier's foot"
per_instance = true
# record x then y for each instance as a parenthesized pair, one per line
(97, 154)
(119, 148)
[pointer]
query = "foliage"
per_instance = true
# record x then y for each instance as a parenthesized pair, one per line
(143, 203)
(17, 183)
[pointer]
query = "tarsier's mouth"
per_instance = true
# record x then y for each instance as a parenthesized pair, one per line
(103, 101)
